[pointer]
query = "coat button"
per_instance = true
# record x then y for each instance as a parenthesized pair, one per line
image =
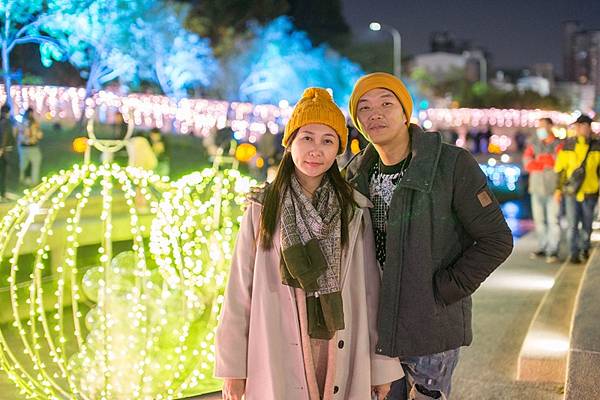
(341, 344)
(336, 389)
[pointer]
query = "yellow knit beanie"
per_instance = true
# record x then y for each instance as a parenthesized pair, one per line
(317, 107)
(384, 81)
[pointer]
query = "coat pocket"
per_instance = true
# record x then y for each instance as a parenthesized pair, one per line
(438, 303)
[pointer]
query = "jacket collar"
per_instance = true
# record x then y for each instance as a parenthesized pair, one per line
(361, 200)
(425, 148)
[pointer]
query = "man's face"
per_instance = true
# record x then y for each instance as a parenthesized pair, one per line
(545, 125)
(381, 115)
(582, 129)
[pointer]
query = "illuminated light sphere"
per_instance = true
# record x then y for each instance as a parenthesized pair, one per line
(192, 240)
(89, 314)
(245, 152)
(494, 148)
(80, 144)
(260, 162)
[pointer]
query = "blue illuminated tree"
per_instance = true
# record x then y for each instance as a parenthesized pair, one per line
(100, 40)
(169, 55)
(280, 61)
(31, 21)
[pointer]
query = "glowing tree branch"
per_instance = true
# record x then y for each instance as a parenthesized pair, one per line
(28, 21)
(101, 40)
(173, 57)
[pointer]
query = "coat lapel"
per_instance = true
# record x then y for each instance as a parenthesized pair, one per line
(353, 232)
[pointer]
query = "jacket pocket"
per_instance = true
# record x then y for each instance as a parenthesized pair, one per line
(438, 303)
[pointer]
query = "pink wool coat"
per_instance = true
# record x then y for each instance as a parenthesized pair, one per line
(259, 337)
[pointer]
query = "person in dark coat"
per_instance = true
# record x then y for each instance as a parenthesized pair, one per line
(439, 234)
(7, 142)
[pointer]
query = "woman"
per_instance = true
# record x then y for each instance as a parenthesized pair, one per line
(7, 139)
(299, 316)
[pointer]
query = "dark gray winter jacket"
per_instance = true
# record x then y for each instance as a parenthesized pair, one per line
(445, 236)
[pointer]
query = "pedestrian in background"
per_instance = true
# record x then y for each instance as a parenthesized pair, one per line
(579, 153)
(30, 155)
(7, 142)
(539, 159)
(140, 155)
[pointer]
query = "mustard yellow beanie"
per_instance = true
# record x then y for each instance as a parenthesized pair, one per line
(384, 81)
(317, 107)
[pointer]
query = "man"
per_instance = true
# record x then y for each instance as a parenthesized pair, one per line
(539, 159)
(439, 233)
(580, 204)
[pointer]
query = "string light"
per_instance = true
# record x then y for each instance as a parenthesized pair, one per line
(502, 175)
(192, 241)
(186, 116)
(449, 118)
(122, 328)
(110, 351)
(201, 116)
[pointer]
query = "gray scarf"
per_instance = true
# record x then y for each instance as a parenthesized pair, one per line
(311, 254)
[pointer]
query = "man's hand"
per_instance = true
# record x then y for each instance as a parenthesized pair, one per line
(233, 389)
(381, 390)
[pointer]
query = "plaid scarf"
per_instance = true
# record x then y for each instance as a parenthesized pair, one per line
(311, 254)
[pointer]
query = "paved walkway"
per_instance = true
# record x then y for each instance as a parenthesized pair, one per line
(502, 311)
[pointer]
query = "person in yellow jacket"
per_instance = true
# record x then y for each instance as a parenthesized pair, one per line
(579, 206)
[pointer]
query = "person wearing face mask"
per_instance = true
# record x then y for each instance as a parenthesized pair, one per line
(539, 159)
(300, 308)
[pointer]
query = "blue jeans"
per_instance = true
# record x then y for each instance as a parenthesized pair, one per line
(427, 377)
(580, 212)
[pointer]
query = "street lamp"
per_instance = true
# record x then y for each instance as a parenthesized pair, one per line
(482, 64)
(376, 26)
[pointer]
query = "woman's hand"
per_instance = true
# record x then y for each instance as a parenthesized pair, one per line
(381, 390)
(233, 389)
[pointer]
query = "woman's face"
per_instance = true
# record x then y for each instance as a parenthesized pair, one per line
(314, 149)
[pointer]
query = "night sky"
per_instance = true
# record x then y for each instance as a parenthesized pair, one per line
(518, 33)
